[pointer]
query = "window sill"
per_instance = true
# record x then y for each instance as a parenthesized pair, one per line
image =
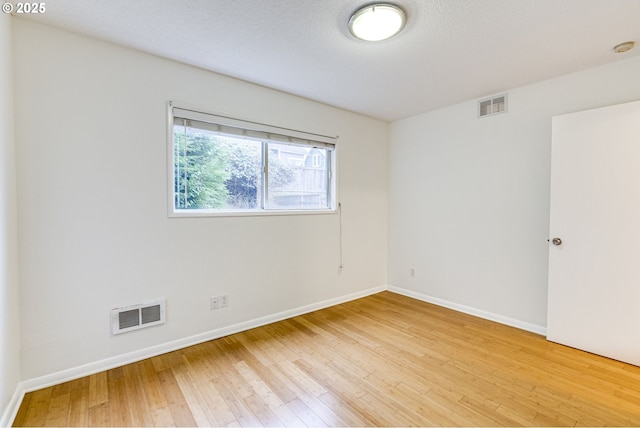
(253, 213)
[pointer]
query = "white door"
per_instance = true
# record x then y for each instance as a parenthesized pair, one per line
(594, 272)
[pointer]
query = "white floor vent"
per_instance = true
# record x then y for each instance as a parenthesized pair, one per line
(135, 317)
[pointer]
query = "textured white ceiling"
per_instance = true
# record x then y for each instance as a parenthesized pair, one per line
(449, 51)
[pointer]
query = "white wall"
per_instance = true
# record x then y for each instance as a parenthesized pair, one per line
(9, 301)
(94, 231)
(469, 197)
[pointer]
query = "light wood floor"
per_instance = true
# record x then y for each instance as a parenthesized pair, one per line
(384, 360)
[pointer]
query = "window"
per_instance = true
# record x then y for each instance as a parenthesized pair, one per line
(220, 165)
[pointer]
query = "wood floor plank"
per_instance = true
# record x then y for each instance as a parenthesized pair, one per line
(383, 360)
(431, 413)
(58, 411)
(305, 414)
(178, 406)
(98, 390)
(99, 416)
(202, 372)
(139, 407)
(36, 414)
(253, 357)
(21, 415)
(346, 411)
(267, 395)
(309, 398)
(79, 403)
(119, 402)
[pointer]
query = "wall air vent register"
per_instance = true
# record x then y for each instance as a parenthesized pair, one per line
(135, 317)
(493, 105)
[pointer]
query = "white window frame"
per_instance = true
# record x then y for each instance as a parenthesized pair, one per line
(279, 134)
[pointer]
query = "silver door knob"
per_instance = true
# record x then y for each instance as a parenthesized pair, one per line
(556, 241)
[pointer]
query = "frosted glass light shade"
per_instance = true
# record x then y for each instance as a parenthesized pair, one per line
(377, 22)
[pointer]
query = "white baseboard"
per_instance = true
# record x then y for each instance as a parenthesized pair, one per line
(142, 354)
(522, 325)
(10, 412)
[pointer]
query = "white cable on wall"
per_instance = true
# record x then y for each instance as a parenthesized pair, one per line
(340, 235)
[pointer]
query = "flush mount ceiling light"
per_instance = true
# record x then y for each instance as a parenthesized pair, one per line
(623, 47)
(377, 22)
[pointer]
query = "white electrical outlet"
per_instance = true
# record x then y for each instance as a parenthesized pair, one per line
(412, 272)
(214, 302)
(224, 300)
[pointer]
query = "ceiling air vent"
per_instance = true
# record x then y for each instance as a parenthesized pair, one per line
(493, 105)
(135, 317)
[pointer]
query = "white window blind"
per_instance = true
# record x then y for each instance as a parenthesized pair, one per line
(253, 130)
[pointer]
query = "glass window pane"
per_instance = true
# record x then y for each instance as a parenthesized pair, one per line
(213, 171)
(297, 177)
(244, 182)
